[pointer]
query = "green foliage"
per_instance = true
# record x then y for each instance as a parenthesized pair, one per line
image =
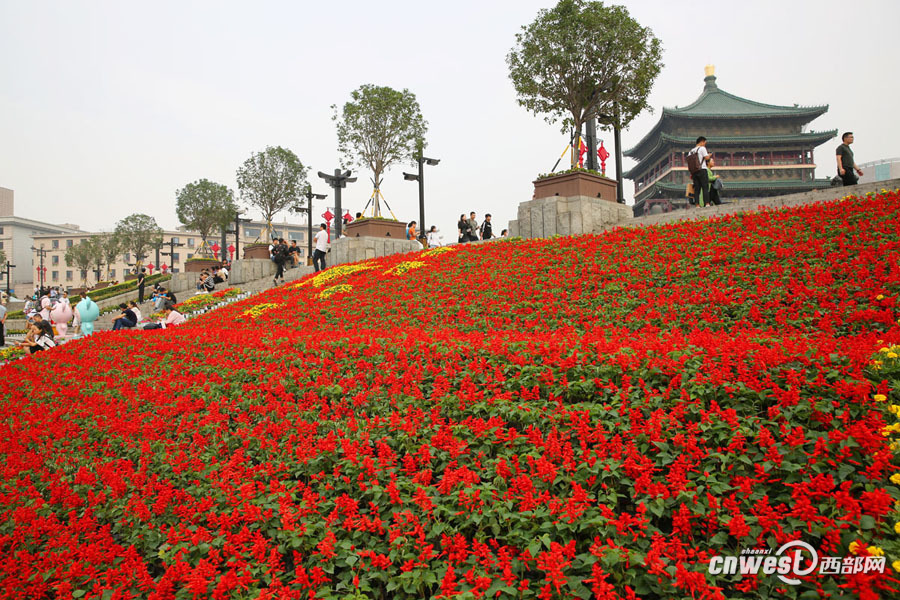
(205, 205)
(580, 60)
(115, 290)
(81, 256)
(109, 246)
(569, 172)
(2, 256)
(138, 233)
(378, 128)
(272, 180)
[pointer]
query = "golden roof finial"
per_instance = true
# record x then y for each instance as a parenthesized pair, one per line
(710, 70)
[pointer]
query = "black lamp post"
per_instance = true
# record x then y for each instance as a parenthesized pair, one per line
(9, 267)
(422, 161)
(310, 196)
(237, 234)
(172, 244)
(41, 252)
(338, 181)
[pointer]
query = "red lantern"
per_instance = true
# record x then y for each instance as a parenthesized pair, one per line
(230, 251)
(327, 215)
(347, 218)
(215, 248)
(164, 267)
(603, 155)
(151, 266)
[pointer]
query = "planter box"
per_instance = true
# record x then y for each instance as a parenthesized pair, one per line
(196, 265)
(256, 251)
(101, 285)
(382, 228)
(576, 184)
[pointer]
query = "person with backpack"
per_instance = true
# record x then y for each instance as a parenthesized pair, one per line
(280, 254)
(696, 163)
(411, 231)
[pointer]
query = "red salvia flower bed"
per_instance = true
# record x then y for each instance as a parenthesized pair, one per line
(593, 416)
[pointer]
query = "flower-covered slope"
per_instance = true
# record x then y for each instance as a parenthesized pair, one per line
(592, 416)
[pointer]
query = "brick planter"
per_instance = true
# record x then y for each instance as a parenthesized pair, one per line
(576, 184)
(382, 228)
(196, 265)
(256, 251)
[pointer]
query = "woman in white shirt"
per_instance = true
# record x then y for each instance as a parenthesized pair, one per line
(434, 239)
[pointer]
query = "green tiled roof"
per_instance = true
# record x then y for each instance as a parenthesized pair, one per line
(667, 141)
(714, 103)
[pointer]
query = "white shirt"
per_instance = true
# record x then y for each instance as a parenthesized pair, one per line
(433, 240)
(137, 313)
(322, 240)
(702, 153)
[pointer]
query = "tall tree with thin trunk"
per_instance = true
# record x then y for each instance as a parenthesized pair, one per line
(272, 181)
(581, 60)
(138, 234)
(109, 245)
(81, 257)
(378, 128)
(205, 206)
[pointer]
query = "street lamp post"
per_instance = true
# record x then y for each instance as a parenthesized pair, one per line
(41, 252)
(338, 181)
(172, 244)
(310, 196)
(237, 233)
(9, 267)
(422, 161)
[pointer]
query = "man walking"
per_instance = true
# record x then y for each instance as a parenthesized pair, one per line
(845, 162)
(321, 248)
(473, 227)
(486, 228)
(280, 255)
(697, 167)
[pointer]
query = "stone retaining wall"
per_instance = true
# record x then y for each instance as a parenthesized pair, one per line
(354, 249)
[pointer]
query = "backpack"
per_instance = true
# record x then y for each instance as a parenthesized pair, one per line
(693, 161)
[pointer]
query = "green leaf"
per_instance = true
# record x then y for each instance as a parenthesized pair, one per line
(867, 522)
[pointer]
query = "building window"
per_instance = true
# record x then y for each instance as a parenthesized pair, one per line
(190, 256)
(112, 273)
(54, 275)
(296, 235)
(1, 245)
(251, 232)
(69, 243)
(176, 241)
(190, 243)
(176, 257)
(55, 244)
(127, 257)
(1, 231)
(54, 261)
(68, 275)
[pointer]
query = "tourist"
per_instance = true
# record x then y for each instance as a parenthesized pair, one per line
(142, 276)
(411, 231)
(715, 184)
(171, 317)
(159, 296)
(321, 248)
(132, 305)
(700, 176)
(280, 255)
(504, 233)
(846, 164)
(64, 298)
(463, 227)
(206, 283)
(487, 231)
(473, 227)
(295, 253)
(31, 332)
(223, 272)
(434, 239)
(126, 319)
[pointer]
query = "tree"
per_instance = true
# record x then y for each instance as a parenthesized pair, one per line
(81, 256)
(138, 233)
(378, 128)
(272, 180)
(2, 257)
(581, 60)
(109, 246)
(205, 206)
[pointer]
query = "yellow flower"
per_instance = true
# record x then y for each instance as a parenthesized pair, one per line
(854, 547)
(879, 397)
(879, 297)
(255, 311)
(894, 409)
(896, 565)
(333, 273)
(892, 355)
(335, 289)
(404, 267)
(897, 527)
(437, 250)
(895, 478)
(875, 551)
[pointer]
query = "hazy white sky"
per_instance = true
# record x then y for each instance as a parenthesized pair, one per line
(106, 108)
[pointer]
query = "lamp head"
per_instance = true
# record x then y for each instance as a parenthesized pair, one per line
(410, 177)
(319, 196)
(432, 161)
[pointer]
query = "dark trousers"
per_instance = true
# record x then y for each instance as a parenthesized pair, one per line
(714, 195)
(701, 187)
(141, 294)
(849, 177)
(123, 324)
(2, 334)
(279, 272)
(318, 260)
